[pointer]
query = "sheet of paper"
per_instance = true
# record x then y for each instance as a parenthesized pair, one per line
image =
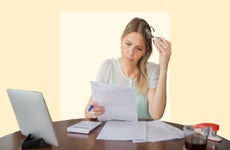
(119, 102)
(160, 131)
(123, 130)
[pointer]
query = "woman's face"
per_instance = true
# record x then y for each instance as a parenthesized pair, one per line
(132, 48)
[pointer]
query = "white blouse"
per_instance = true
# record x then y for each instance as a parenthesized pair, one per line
(111, 73)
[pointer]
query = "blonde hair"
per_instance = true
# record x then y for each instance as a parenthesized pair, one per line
(141, 26)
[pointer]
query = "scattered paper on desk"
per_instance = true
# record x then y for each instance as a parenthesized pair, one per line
(119, 102)
(138, 132)
(123, 130)
(160, 131)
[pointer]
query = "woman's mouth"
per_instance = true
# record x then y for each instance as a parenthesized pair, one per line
(129, 59)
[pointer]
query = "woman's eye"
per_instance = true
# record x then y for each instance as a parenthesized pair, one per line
(128, 43)
(139, 49)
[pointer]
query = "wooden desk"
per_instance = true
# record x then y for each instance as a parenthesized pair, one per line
(72, 141)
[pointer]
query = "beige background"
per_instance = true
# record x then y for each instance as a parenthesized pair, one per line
(199, 71)
(89, 38)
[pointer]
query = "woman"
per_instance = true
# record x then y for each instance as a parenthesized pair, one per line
(133, 69)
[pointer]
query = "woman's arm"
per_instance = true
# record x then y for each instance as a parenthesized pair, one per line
(157, 96)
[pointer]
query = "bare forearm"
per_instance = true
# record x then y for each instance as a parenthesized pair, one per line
(157, 97)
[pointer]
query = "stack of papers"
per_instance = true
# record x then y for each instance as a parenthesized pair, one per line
(119, 102)
(137, 132)
(160, 131)
(124, 131)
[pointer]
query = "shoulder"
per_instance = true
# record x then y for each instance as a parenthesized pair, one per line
(153, 69)
(151, 66)
(108, 63)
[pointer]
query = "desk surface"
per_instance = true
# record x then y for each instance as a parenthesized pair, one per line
(72, 141)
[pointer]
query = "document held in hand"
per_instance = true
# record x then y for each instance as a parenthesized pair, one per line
(119, 102)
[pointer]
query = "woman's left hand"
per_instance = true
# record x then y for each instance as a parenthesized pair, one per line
(164, 48)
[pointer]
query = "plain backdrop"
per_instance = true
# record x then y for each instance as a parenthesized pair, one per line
(87, 39)
(31, 53)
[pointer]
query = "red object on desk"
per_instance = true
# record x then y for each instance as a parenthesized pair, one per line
(213, 130)
(215, 127)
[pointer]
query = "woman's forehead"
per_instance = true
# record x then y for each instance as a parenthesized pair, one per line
(136, 38)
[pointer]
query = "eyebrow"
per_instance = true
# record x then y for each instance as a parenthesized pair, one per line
(137, 45)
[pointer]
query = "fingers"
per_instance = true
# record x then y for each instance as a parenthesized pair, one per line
(164, 48)
(97, 110)
(162, 45)
(93, 114)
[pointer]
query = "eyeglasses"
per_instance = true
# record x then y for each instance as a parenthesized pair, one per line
(152, 35)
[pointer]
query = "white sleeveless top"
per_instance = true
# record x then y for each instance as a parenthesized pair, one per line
(111, 73)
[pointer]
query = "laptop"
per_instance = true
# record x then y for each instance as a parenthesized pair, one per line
(32, 115)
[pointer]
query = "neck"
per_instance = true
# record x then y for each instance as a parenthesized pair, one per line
(129, 71)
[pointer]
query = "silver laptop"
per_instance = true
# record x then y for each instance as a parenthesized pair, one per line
(32, 115)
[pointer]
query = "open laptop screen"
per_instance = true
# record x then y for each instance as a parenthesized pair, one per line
(32, 115)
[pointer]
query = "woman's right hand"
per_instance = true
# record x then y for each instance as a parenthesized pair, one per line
(96, 111)
(164, 48)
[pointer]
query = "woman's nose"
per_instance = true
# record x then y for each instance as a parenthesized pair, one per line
(131, 51)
